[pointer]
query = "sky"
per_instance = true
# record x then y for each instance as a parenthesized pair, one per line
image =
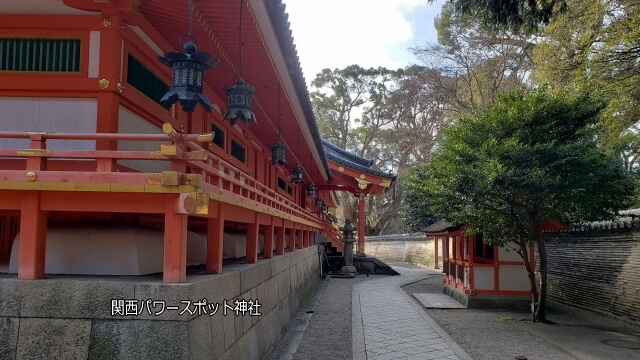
(370, 33)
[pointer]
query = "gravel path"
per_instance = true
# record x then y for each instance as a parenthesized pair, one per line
(488, 334)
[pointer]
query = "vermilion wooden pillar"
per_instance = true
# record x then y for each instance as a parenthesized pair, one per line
(33, 233)
(215, 242)
(252, 243)
(280, 240)
(361, 220)
(267, 251)
(175, 244)
(299, 238)
(292, 239)
(110, 70)
(435, 244)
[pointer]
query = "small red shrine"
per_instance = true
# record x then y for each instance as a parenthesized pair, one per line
(477, 274)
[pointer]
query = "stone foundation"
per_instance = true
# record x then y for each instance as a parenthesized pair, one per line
(488, 301)
(69, 317)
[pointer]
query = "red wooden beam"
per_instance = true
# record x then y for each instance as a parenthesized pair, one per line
(148, 203)
(11, 199)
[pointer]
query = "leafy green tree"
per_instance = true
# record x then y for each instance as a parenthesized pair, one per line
(416, 202)
(525, 16)
(525, 160)
(595, 47)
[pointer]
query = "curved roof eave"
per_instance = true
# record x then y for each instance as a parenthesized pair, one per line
(340, 156)
(348, 155)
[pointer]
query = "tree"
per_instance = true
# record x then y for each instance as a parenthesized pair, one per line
(595, 47)
(525, 160)
(471, 65)
(516, 15)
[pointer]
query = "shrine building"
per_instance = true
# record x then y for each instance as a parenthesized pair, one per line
(159, 150)
(479, 275)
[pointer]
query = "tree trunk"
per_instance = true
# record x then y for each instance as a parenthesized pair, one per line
(540, 314)
(524, 253)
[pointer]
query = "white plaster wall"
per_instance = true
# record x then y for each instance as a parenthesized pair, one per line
(130, 123)
(508, 253)
(48, 115)
(112, 250)
(483, 278)
(513, 278)
(120, 250)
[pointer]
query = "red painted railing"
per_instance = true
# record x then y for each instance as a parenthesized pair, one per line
(218, 176)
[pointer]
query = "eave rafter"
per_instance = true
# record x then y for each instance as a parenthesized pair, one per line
(356, 180)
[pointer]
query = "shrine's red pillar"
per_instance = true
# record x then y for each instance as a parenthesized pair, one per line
(267, 251)
(361, 220)
(215, 243)
(175, 244)
(435, 244)
(252, 243)
(299, 241)
(33, 232)
(292, 238)
(280, 240)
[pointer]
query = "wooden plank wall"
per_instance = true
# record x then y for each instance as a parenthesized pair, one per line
(598, 270)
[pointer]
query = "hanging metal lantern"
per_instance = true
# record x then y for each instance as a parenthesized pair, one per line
(239, 102)
(319, 202)
(187, 76)
(311, 191)
(277, 153)
(296, 174)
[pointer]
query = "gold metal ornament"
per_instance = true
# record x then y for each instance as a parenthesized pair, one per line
(103, 84)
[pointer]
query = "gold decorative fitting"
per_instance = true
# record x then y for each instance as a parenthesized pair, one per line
(33, 152)
(340, 168)
(208, 137)
(362, 184)
(103, 84)
(106, 22)
(362, 176)
(181, 128)
(31, 176)
(119, 87)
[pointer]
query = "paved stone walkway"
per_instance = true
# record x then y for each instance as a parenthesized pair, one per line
(388, 324)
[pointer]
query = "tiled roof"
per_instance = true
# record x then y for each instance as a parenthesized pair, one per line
(352, 161)
(439, 226)
(347, 155)
(279, 18)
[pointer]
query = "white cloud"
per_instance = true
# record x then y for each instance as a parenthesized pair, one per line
(338, 33)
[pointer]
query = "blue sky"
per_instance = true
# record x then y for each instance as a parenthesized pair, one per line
(370, 33)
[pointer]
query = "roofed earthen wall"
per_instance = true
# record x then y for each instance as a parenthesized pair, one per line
(598, 270)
